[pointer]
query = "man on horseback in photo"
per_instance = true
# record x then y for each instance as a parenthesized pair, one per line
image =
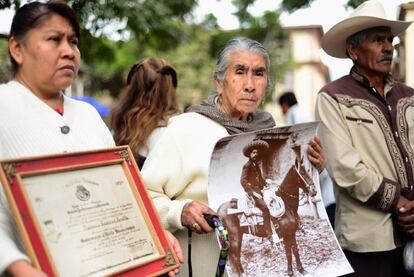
(252, 179)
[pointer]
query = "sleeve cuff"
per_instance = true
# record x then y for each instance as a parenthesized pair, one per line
(387, 195)
(174, 214)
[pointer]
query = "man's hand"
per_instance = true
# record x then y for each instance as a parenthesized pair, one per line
(22, 268)
(405, 213)
(177, 249)
(192, 217)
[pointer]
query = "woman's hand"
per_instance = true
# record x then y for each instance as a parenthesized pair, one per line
(316, 154)
(177, 249)
(21, 268)
(192, 217)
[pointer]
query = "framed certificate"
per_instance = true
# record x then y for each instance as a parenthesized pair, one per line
(86, 214)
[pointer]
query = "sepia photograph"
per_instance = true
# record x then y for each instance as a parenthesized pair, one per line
(265, 189)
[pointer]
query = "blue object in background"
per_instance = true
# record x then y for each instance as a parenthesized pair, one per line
(101, 108)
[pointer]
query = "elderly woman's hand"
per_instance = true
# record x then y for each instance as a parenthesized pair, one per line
(316, 154)
(192, 217)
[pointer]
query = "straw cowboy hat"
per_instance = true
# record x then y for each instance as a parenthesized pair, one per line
(258, 144)
(367, 15)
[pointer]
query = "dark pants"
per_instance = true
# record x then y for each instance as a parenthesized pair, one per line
(261, 204)
(330, 210)
(378, 264)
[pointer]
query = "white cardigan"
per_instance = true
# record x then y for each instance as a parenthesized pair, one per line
(176, 172)
(29, 127)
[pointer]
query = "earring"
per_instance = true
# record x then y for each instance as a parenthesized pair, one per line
(220, 98)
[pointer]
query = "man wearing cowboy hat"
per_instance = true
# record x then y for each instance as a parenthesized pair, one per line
(368, 131)
(252, 180)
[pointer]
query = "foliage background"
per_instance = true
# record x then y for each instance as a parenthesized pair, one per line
(118, 33)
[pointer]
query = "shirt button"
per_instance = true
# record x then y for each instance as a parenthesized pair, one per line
(64, 129)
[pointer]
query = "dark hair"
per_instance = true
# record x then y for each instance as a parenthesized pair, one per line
(288, 98)
(31, 15)
(356, 40)
(148, 101)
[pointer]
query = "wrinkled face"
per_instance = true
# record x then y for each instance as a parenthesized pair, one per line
(374, 57)
(48, 57)
(244, 84)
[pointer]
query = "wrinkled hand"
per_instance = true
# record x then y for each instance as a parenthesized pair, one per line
(177, 249)
(192, 217)
(22, 268)
(316, 154)
(405, 213)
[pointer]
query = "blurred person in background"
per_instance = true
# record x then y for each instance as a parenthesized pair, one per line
(36, 118)
(145, 106)
(292, 112)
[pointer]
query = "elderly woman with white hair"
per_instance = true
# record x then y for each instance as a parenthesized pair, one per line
(176, 171)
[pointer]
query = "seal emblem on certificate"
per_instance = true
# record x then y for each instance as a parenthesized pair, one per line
(82, 193)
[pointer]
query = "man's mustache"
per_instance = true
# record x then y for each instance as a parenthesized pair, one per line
(386, 57)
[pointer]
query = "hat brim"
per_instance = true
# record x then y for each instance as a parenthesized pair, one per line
(261, 147)
(334, 41)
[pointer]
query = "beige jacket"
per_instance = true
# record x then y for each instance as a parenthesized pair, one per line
(369, 141)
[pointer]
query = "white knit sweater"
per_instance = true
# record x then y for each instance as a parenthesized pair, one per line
(176, 172)
(29, 127)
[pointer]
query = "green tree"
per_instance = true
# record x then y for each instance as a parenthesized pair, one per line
(157, 23)
(293, 5)
(4, 62)
(153, 23)
(191, 58)
(115, 34)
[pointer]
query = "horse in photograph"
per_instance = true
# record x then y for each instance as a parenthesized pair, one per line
(297, 177)
(300, 178)
(231, 212)
(283, 213)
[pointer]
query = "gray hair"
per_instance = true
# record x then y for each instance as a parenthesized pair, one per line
(239, 44)
(358, 38)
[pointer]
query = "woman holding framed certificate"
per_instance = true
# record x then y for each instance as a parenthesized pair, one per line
(36, 118)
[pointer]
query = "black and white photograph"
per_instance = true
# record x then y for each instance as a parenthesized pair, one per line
(265, 189)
